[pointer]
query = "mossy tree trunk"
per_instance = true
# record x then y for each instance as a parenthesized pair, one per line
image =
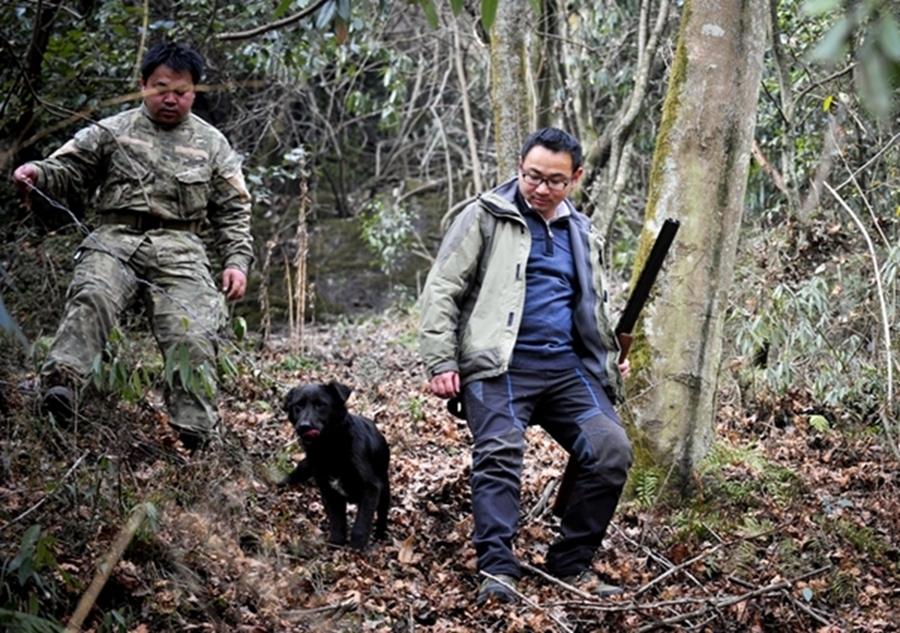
(511, 98)
(699, 176)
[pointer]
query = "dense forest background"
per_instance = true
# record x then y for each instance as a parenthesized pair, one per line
(363, 128)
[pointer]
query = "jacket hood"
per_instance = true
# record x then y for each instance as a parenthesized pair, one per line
(502, 199)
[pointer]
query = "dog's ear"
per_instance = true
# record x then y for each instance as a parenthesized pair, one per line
(342, 391)
(289, 397)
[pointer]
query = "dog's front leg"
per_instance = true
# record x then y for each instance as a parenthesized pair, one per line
(336, 507)
(365, 512)
(301, 473)
(384, 502)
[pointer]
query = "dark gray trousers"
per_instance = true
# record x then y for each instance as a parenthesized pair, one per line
(573, 408)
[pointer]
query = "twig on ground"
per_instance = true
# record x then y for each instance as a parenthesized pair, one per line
(47, 496)
(331, 611)
(659, 558)
(556, 619)
(543, 503)
(808, 610)
(675, 569)
(556, 581)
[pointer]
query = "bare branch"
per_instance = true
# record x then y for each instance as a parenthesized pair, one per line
(272, 26)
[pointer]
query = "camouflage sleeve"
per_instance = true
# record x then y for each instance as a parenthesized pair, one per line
(73, 171)
(229, 211)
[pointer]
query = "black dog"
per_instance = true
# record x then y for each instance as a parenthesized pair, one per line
(346, 455)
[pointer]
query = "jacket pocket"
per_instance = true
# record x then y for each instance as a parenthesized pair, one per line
(193, 190)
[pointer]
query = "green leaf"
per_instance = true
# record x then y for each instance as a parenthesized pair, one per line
(343, 10)
(326, 14)
(282, 8)
(431, 15)
(170, 366)
(819, 423)
(816, 7)
(455, 5)
(240, 328)
(826, 103)
(488, 13)
(831, 46)
(875, 79)
(888, 36)
(184, 367)
(229, 369)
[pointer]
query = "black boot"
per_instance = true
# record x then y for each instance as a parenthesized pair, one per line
(59, 402)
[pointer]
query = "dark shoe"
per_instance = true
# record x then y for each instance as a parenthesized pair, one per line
(503, 589)
(590, 582)
(59, 402)
(192, 439)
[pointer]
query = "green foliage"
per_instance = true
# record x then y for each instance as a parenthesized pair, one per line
(645, 485)
(415, 407)
(866, 541)
(199, 379)
(27, 586)
(874, 23)
(298, 363)
(812, 334)
(130, 368)
(819, 423)
(742, 476)
(388, 230)
(119, 370)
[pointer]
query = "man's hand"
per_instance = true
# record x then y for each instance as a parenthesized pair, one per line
(24, 178)
(234, 284)
(445, 385)
(625, 368)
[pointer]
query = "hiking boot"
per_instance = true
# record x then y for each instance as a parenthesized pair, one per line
(192, 439)
(59, 402)
(589, 582)
(502, 590)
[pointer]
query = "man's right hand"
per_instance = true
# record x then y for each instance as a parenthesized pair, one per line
(24, 178)
(445, 385)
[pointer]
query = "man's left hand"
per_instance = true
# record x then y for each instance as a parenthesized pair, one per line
(234, 284)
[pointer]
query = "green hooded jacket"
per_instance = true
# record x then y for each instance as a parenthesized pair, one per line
(472, 302)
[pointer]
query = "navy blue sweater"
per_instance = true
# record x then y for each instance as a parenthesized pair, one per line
(546, 333)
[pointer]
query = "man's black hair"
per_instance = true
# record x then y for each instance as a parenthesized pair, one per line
(556, 141)
(178, 57)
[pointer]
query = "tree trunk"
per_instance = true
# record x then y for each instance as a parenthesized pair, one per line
(509, 88)
(699, 176)
(548, 66)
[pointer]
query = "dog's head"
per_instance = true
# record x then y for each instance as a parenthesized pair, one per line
(311, 407)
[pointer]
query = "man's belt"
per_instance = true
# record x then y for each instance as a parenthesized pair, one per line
(146, 222)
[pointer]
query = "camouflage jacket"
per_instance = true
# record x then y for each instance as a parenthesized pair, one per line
(129, 163)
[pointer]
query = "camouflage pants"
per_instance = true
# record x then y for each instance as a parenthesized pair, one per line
(170, 271)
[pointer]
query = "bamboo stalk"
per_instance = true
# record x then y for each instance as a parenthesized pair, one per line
(105, 568)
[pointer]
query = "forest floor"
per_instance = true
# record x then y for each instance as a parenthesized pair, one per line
(795, 524)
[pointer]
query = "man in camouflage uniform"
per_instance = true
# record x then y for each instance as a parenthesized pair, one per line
(156, 172)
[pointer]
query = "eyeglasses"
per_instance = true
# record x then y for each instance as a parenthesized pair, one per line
(533, 180)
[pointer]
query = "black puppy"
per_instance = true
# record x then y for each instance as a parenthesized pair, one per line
(346, 455)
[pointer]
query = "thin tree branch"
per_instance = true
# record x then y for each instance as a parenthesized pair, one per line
(272, 26)
(885, 322)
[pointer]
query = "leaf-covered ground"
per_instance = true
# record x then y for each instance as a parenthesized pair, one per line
(794, 527)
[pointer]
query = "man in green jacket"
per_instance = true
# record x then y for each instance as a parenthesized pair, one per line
(154, 173)
(515, 322)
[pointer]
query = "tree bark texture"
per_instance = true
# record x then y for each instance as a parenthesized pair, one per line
(699, 176)
(509, 87)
